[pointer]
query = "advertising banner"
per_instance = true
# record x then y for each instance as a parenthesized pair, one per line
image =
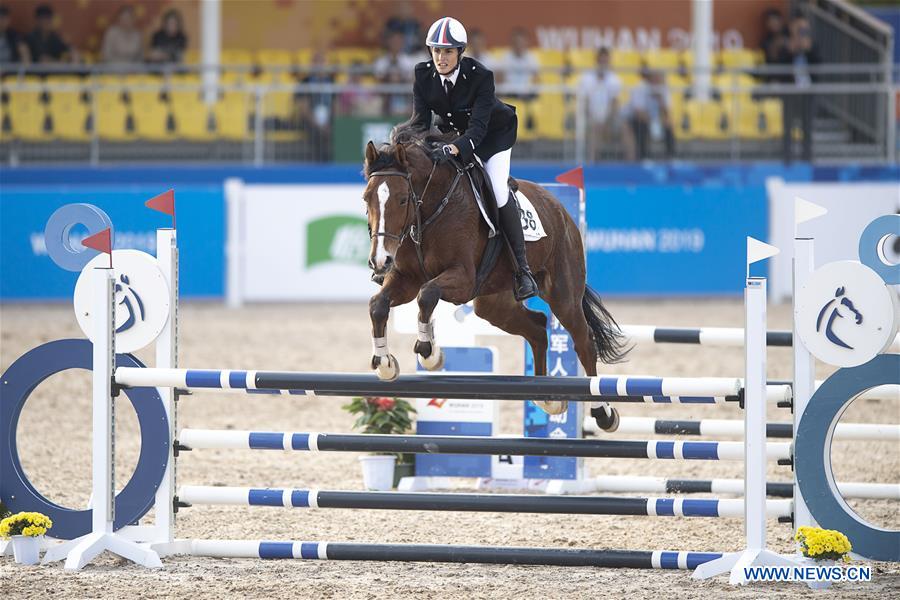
(28, 273)
(671, 240)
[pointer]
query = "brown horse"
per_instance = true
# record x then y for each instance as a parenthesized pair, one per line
(427, 242)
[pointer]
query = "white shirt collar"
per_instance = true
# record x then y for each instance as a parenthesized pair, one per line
(452, 78)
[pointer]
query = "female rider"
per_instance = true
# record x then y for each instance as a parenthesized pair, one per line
(460, 90)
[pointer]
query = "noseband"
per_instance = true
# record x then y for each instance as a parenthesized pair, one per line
(415, 228)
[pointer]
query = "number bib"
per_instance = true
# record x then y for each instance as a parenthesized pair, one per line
(531, 222)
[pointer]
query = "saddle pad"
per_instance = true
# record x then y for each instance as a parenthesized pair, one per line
(531, 222)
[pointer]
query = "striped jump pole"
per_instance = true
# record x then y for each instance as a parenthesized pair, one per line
(437, 444)
(662, 485)
(492, 555)
(711, 336)
(501, 503)
(701, 390)
(732, 427)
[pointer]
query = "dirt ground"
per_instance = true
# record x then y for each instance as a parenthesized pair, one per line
(54, 442)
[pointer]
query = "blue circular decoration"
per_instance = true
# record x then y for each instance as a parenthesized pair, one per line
(812, 450)
(22, 377)
(56, 234)
(869, 242)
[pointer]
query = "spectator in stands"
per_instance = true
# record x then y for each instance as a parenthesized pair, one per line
(800, 53)
(358, 100)
(314, 108)
(12, 45)
(477, 47)
(518, 67)
(649, 116)
(394, 67)
(407, 26)
(168, 42)
(44, 43)
(774, 39)
(123, 43)
(600, 89)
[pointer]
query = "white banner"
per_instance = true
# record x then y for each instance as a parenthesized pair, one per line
(851, 206)
(298, 242)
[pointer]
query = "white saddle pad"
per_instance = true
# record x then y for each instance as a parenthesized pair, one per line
(531, 221)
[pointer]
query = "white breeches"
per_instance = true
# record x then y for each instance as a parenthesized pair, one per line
(497, 168)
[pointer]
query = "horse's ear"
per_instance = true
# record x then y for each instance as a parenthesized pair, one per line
(401, 156)
(839, 292)
(371, 152)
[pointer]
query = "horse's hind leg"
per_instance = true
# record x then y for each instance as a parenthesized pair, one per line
(566, 304)
(502, 311)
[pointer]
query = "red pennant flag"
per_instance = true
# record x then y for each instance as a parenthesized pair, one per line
(574, 177)
(100, 241)
(164, 203)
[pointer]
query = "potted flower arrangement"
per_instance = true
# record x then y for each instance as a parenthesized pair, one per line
(383, 416)
(823, 546)
(26, 530)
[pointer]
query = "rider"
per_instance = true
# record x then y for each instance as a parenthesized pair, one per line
(460, 90)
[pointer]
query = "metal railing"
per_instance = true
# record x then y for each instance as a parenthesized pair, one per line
(165, 119)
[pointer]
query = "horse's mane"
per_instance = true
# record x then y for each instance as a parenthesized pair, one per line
(407, 133)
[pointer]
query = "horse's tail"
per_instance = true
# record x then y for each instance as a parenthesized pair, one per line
(612, 344)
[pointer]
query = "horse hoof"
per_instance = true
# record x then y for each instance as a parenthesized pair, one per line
(552, 407)
(388, 369)
(434, 361)
(606, 422)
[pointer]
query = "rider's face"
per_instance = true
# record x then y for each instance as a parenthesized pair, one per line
(445, 59)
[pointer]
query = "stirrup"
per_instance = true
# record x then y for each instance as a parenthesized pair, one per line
(525, 286)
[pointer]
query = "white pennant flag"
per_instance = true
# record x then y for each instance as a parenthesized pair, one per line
(806, 211)
(757, 251)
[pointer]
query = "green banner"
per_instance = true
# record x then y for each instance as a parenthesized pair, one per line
(352, 133)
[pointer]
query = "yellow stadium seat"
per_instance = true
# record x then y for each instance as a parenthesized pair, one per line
(550, 58)
(192, 56)
(734, 84)
(347, 56)
(549, 112)
(663, 58)
(151, 119)
(143, 88)
(69, 115)
(705, 120)
(232, 116)
(278, 104)
(303, 56)
(274, 58)
(582, 58)
(625, 59)
(111, 117)
(28, 116)
(772, 109)
(191, 115)
(737, 58)
(234, 57)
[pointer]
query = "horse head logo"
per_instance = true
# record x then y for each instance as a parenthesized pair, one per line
(134, 307)
(838, 307)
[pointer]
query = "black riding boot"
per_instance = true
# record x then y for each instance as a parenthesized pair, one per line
(511, 222)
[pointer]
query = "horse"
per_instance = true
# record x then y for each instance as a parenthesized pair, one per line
(427, 240)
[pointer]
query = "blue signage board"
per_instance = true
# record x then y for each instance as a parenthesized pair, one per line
(562, 361)
(671, 240)
(30, 274)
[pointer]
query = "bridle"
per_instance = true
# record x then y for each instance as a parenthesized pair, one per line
(415, 227)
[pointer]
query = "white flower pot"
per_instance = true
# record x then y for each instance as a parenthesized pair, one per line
(378, 471)
(27, 549)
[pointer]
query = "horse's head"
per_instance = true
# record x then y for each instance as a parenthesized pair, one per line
(847, 303)
(389, 199)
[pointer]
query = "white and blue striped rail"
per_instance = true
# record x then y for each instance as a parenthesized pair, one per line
(582, 505)
(733, 427)
(612, 388)
(570, 557)
(436, 444)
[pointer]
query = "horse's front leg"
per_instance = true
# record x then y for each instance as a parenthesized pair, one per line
(395, 291)
(453, 285)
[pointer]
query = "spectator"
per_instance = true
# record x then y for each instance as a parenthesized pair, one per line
(122, 42)
(314, 108)
(774, 39)
(407, 26)
(649, 116)
(169, 41)
(477, 47)
(394, 67)
(44, 43)
(518, 67)
(12, 46)
(799, 52)
(600, 89)
(356, 100)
